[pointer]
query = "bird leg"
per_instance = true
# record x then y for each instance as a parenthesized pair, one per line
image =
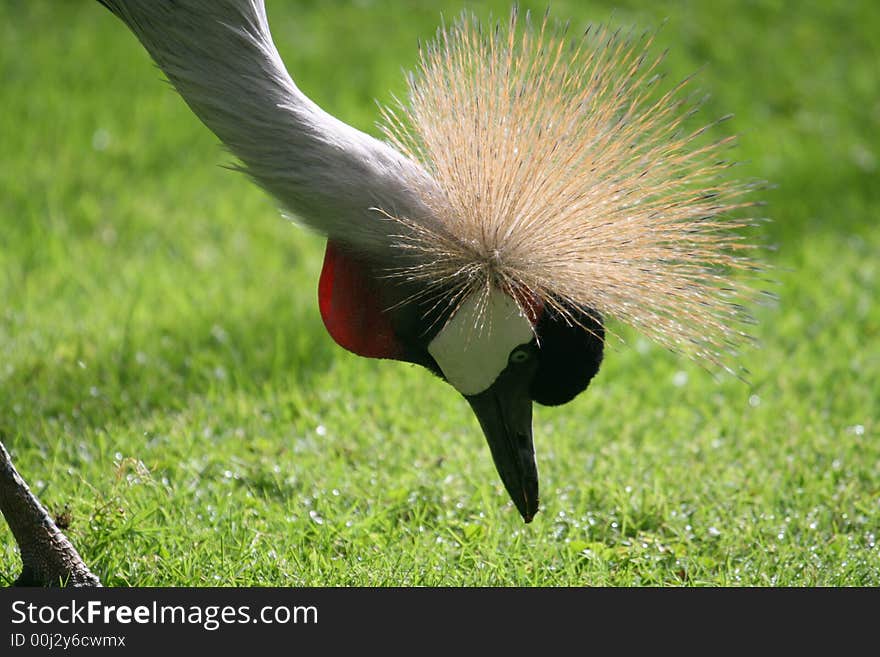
(48, 557)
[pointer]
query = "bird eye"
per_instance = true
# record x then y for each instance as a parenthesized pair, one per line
(519, 356)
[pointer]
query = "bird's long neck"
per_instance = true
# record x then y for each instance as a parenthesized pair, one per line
(220, 57)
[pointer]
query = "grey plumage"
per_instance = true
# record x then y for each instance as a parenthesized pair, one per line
(220, 57)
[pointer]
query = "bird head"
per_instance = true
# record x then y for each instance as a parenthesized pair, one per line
(502, 350)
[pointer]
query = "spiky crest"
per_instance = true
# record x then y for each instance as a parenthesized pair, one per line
(565, 169)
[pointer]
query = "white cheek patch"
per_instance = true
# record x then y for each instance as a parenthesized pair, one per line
(472, 349)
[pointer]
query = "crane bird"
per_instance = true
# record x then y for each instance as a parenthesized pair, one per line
(525, 191)
(530, 186)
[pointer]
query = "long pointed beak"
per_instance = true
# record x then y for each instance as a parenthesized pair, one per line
(505, 414)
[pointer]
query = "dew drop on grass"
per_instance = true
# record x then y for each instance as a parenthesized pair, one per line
(321, 430)
(863, 158)
(219, 334)
(316, 518)
(101, 139)
(679, 379)
(754, 401)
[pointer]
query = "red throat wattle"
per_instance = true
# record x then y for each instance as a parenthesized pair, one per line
(352, 308)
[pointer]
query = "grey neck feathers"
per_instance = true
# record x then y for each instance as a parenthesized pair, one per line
(220, 57)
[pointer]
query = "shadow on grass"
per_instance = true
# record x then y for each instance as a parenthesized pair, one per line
(161, 367)
(155, 368)
(807, 203)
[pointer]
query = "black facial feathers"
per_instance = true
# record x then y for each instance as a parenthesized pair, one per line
(569, 355)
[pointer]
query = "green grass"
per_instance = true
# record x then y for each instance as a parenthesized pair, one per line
(164, 372)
